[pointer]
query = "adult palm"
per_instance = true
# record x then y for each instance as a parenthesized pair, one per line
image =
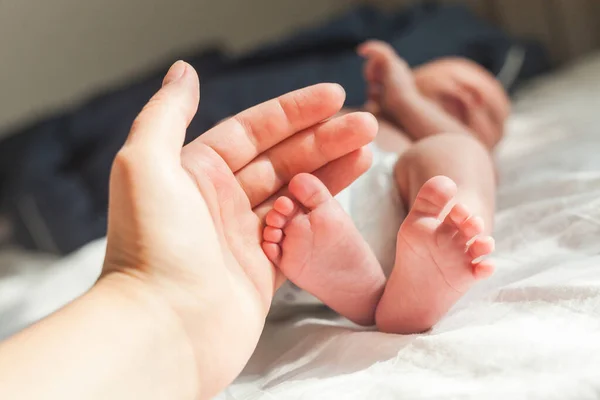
(186, 222)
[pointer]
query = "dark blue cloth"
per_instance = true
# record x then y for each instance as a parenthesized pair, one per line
(54, 174)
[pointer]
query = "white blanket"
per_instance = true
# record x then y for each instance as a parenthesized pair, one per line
(531, 331)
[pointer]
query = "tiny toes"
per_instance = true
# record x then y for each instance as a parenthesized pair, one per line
(272, 251)
(434, 196)
(459, 214)
(276, 219)
(284, 205)
(273, 235)
(481, 247)
(309, 190)
(448, 229)
(483, 270)
(472, 227)
(469, 227)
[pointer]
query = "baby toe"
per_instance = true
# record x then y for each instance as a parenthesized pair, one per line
(483, 270)
(272, 251)
(481, 247)
(472, 227)
(276, 219)
(459, 214)
(309, 190)
(434, 196)
(284, 205)
(273, 235)
(447, 233)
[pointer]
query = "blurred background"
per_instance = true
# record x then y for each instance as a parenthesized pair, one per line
(54, 53)
(57, 52)
(75, 73)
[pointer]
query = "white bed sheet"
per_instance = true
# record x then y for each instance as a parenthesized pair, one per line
(531, 331)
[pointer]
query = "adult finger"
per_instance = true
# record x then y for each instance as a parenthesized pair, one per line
(305, 152)
(240, 139)
(162, 123)
(336, 175)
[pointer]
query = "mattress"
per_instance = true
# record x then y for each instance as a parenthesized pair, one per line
(531, 331)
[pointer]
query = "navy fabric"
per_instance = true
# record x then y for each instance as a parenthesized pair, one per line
(54, 174)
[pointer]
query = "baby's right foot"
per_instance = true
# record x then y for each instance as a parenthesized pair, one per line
(317, 247)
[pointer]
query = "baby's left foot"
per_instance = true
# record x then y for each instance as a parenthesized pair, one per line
(437, 260)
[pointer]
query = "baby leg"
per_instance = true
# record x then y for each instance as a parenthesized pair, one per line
(461, 158)
(442, 240)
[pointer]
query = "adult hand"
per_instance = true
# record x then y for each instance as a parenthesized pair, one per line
(185, 223)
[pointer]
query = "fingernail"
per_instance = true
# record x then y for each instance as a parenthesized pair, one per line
(175, 72)
(340, 88)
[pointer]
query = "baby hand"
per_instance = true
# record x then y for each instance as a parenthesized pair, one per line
(388, 76)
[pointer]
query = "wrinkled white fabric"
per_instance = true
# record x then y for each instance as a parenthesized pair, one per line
(532, 331)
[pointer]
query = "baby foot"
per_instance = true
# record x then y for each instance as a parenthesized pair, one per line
(388, 78)
(436, 261)
(317, 247)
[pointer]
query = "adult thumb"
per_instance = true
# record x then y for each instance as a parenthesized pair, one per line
(162, 123)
